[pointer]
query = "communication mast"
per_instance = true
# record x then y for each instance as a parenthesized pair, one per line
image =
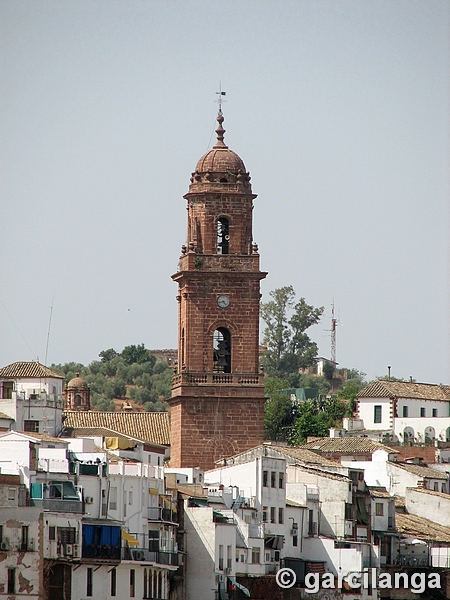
(333, 334)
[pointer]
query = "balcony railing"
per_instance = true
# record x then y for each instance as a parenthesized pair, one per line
(63, 506)
(190, 378)
(156, 513)
(172, 559)
(409, 560)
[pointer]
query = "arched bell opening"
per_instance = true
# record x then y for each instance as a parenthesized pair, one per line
(222, 350)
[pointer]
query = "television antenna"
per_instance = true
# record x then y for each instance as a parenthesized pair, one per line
(334, 323)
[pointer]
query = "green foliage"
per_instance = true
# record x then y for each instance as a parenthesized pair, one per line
(279, 415)
(315, 417)
(107, 355)
(288, 346)
(136, 354)
(328, 370)
(132, 374)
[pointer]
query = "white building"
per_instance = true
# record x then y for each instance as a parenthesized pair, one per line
(410, 412)
(31, 395)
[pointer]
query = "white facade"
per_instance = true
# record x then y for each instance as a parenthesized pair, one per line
(428, 504)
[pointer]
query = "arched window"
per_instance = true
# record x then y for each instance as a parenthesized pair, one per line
(78, 400)
(222, 350)
(223, 236)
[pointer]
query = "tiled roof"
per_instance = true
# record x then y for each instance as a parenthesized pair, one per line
(420, 528)
(304, 456)
(420, 470)
(152, 427)
(4, 416)
(325, 474)
(28, 369)
(431, 492)
(400, 389)
(377, 492)
(99, 432)
(294, 504)
(346, 445)
(36, 436)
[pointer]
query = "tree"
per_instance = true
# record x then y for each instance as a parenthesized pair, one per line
(328, 370)
(288, 346)
(136, 354)
(107, 355)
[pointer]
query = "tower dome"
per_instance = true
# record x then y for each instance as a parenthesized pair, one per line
(77, 382)
(77, 395)
(220, 166)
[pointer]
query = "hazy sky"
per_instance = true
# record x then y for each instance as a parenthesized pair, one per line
(340, 111)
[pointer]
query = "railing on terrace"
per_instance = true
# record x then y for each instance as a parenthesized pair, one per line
(156, 513)
(189, 378)
(136, 469)
(172, 559)
(64, 506)
(411, 560)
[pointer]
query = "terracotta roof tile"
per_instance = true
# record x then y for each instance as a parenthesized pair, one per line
(420, 470)
(346, 445)
(431, 492)
(307, 457)
(423, 529)
(400, 389)
(28, 369)
(5, 416)
(152, 427)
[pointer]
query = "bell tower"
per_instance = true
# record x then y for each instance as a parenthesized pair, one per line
(217, 404)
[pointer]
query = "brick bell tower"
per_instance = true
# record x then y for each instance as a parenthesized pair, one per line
(217, 404)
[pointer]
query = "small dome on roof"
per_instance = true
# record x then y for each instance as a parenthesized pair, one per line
(220, 159)
(77, 382)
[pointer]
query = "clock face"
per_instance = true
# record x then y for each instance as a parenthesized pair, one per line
(223, 301)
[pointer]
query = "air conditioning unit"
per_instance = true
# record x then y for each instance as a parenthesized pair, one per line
(76, 551)
(68, 550)
(89, 499)
(138, 555)
(4, 544)
(220, 578)
(294, 532)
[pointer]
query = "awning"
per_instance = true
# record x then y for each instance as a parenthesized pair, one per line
(153, 491)
(132, 541)
(239, 585)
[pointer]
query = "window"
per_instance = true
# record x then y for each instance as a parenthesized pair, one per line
(220, 557)
(66, 535)
(132, 582)
(273, 477)
(223, 236)
(24, 541)
(265, 478)
(229, 550)
(422, 411)
(435, 412)
(222, 350)
(272, 514)
(1, 533)
(442, 490)
(379, 509)
(377, 413)
(130, 498)
(11, 493)
(31, 426)
(280, 515)
(89, 575)
(113, 582)
(11, 581)
(113, 498)
(145, 583)
(264, 514)
(255, 556)
(436, 486)
(295, 540)
(405, 411)
(281, 480)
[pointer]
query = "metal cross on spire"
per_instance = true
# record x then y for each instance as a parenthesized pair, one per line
(221, 97)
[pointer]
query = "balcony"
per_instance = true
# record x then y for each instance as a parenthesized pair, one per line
(171, 559)
(312, 494)
(62, 506)
(195, 379)
(156, 513)
(410, 560)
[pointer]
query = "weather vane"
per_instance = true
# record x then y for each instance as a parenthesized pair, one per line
(221, 97)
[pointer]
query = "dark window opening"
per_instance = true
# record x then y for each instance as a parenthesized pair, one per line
(224, 180)
(132, 583)
(31, 426)
(78, 400)
(422, 412)
(377, 413)
(114, 582)
(90, 575)
(11, 581)
(222, 350)
(223, 236)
